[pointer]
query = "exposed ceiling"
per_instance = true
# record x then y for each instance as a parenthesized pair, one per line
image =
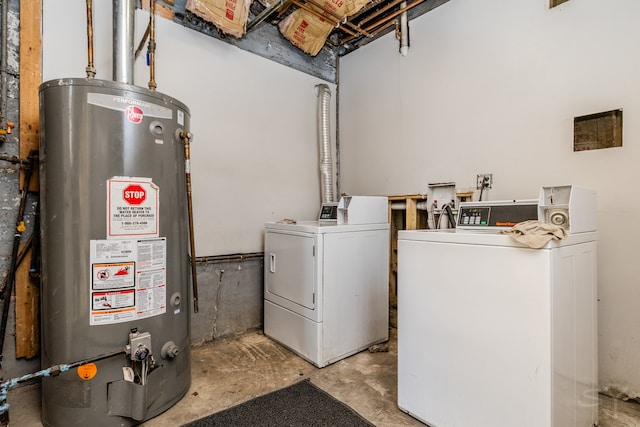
(374, 19)
(263, 36)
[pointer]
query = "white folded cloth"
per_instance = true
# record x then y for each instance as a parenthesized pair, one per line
(535, 234)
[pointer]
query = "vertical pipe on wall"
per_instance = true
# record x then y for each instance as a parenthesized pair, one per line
(404, 31)
(123, 29)
(91, 71)
(338, 173)
(186, 139)
(152, 46)
(324, 140)
(5, 67)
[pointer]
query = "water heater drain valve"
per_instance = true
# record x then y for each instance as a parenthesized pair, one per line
(139, 347)
(169, 350)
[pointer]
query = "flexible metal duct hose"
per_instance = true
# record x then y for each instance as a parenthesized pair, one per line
(324, 141)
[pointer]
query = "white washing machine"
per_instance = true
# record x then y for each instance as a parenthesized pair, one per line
(326, 288)
(493, 333)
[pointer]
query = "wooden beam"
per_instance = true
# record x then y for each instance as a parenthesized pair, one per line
(30, 78)
(28, 293)
(27, 309)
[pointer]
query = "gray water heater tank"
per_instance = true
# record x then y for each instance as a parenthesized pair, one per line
(115, 273)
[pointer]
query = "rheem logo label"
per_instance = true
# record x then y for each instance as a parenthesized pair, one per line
(134, 114)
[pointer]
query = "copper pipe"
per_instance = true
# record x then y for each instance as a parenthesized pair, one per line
(377, 31)
(383, 10)
(385, 26)
(186, 139)
(350, 24)
(142, 42)
(386, 19)
(393, 15)
(325, 15)
(7, 131)
(152, 45)
(91, 71)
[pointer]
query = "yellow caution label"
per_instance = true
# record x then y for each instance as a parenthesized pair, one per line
(87, 371)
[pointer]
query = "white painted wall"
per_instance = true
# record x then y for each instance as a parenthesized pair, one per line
(493, 87)
(255, 151)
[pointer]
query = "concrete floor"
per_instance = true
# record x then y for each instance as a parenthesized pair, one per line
(231, 371)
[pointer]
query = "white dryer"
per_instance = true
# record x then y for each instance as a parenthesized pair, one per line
(326, 288)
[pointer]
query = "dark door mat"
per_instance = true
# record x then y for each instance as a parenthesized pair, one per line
(300, 404)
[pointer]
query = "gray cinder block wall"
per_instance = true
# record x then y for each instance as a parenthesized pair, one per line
(230, 296)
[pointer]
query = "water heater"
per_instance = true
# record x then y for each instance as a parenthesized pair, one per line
(115, 275)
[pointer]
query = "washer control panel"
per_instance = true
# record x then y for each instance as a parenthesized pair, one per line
(500, 214)
(474, 215)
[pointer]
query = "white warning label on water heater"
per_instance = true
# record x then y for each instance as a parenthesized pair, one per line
(132, 208)
(128, 279)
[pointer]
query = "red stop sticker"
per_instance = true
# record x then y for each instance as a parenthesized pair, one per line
(134, 194)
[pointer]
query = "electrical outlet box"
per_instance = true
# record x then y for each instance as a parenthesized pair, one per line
(484, 180)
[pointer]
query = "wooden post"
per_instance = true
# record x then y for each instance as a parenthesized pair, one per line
(28, 294)
(409, 221)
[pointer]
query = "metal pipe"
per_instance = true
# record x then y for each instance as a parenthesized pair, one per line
(404, 30)
(324, 141)
(400, 205)
(374, 33)
(4, 69)
(143, 41)
(152, 45)
(264, 14)
(385, 26)
(13, 159)
(380, 11)
(385, 19)
(36, 243)
(23, 252)
(123, 32)
(186, 139)
(393, 15)
(51, 371)
(20, 227)
(91, 70)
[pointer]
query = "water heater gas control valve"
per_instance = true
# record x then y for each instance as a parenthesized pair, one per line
(139, 347)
